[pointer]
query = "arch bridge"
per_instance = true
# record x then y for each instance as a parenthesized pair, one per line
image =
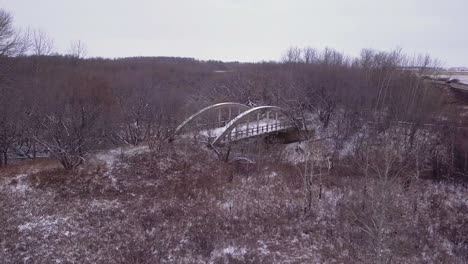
(227, 122)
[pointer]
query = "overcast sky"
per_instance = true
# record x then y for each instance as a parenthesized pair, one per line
(254, 30)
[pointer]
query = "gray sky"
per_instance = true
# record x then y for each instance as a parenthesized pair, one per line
(252, 30)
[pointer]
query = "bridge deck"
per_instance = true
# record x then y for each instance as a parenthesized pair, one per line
(249, 129)
(243, 123)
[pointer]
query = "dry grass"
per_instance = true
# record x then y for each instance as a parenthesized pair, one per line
(184, 206)
(28, 167)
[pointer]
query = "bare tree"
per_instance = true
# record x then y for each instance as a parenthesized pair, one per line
(12, 119)
(315, 164)
(309, 55)
(8, 38)
(70, 127)
(41, 43)
(12, 41)
(8, 130)
(77, 49)
(372, 211)
(332, 57)
(293, 55)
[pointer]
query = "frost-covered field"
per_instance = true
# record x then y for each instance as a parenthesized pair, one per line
(185, 206)
(461, 77)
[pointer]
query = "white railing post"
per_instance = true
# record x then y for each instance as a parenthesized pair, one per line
(258, 121)
(247, 126)
(276, 120)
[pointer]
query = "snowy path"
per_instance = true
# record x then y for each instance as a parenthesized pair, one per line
(110, 157)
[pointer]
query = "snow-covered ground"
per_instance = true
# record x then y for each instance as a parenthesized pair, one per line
(21, 185)
(463, 78)
(187, 207)
(109, 158)
(106, 158)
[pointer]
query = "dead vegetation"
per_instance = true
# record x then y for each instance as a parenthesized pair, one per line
(381, 177)
(185, 206)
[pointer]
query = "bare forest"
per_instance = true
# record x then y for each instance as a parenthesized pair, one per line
(91, 170)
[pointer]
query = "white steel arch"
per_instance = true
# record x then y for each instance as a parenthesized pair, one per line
(209, 108)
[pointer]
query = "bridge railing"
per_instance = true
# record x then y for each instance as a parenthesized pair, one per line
(257, 130)
(222, 123)
(210, 125)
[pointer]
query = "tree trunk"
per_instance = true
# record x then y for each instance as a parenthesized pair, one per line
(5, 158)
(34, 150)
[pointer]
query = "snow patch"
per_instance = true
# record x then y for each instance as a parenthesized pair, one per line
(263, 249)
(46, 224)
(228, 205)
(16, 184)
(109, 159)
(104, 204)
(233, 251)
